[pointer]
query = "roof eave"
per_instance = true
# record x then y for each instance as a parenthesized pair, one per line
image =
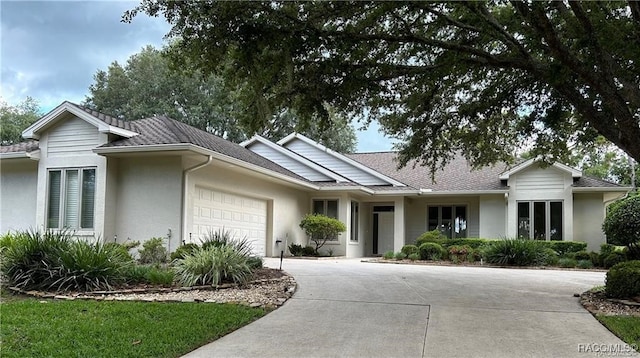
(602, 189)
(33, 155)
(204, 151)
(348, 188)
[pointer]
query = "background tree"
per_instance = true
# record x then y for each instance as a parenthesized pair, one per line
(443, 77)
(148, 85)
(622, 225)
(15, 119)
(604, 160)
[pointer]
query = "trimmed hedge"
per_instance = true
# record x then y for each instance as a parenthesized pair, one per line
(410, 249)
(431, 236)
(565, 247)
(432, 251)
(623, 280)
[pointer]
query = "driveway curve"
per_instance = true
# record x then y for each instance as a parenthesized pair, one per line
(348, 308)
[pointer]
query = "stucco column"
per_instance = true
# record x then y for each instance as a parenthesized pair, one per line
(398, 224)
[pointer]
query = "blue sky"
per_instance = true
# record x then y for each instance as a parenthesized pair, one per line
(50, 51)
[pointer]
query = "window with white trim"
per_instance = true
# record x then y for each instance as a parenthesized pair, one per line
(450, 220)
(326, 207)
(71, 198)
(540, 220)
(355, 221)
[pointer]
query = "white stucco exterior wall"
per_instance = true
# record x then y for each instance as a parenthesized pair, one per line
(492, 216)
(149, 199)
(588, 216)
(18, 194)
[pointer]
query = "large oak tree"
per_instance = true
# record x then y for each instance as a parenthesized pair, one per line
(148, 85)
(479, 78)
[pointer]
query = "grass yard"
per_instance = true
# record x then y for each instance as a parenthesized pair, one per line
(30, 328)
(625, 327)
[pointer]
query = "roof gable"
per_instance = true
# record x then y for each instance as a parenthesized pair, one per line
(104, 123)
(291, 160)
(336, 162)
(575, 173)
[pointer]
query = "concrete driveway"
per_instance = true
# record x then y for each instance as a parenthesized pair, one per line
(346, 308)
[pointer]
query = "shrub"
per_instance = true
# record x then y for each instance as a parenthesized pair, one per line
(410, 249)
(309, 251)
(91, 266)
(585, 264)
(153, 251)
(160, 276)
(399, 256)
(123, 249)
(473, 243)
(516, 252)
(29, 258)
(614, 258)
(254, 262)
(431, 251)
(549, 257)
(183, 250)
(136, 274)
(431, 236)
(211, 266)
(53, 261)
(321, 228)
(567, 262)
(414, 256)
(295, 249)
(623, 280)
(564, 247)
(622, 224)
(223, 237)
(460, 253)
(388, 255)
(581, 255)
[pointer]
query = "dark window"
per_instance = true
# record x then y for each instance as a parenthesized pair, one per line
(450, 220)
(540, 220)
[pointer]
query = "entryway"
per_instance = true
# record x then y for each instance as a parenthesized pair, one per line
(383, 218)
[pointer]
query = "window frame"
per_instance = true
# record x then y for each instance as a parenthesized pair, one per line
(354, 230)
(547, 219)
(325, 206)
(62, 199)
(453, 218)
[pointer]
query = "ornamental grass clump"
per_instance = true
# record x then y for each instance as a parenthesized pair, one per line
(212, 266)
(515, 252)
(54, 261)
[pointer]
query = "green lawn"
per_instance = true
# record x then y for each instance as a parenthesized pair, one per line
(30, 328)
(625, 327)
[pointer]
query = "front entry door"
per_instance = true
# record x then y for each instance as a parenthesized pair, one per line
(382, 232)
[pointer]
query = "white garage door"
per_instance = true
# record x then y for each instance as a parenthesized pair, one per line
(242, 216)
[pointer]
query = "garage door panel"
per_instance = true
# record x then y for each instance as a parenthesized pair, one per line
(240, 215)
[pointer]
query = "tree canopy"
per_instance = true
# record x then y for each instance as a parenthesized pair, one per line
(148, 85)
(477, 78)
(15, 119)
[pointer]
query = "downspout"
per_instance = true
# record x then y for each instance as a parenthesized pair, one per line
(185, 173)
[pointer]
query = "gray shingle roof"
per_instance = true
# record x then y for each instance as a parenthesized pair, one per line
(456, 176)
(112, 121)
(589, 182)
(164, 130)
(27, 146)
